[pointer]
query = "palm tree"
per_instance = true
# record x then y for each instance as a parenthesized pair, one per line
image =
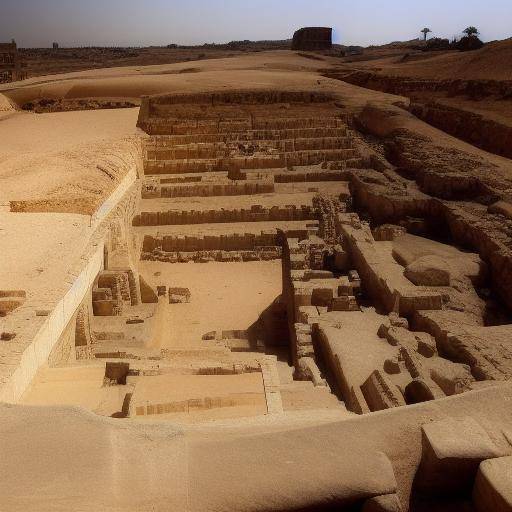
(471, 31)
(425, 31)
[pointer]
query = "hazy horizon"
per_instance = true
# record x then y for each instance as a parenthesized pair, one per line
(38, 23)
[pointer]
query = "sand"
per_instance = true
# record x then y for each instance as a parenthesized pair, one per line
(56, 156)
(35, 270)
(218, 297)
(276, 69)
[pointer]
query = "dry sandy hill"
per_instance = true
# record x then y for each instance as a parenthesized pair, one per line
(492, 62)
(253, 70)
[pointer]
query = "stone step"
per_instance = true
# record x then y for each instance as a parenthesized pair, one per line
(224, 150)
(277, 161)
(166, 141)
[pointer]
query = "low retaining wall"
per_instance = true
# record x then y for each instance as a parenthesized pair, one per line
(255, 214)
(169, 141)
(230, 242)
(298, 158)
(244, 188)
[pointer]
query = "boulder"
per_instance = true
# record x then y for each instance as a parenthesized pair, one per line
(452, 451)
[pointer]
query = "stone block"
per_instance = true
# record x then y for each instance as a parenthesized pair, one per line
(452, 452)
(391, 366)
(380, 393)
(428, 271)
(427, 346)
(493, 486)
(322, 296)
(341, 259)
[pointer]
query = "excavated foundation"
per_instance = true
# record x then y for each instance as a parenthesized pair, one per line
(265, 260)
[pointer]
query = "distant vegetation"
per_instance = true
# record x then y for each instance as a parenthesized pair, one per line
(425, 32)
(469, 42)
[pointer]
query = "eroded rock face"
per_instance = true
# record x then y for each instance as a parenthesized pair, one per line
(428, 271)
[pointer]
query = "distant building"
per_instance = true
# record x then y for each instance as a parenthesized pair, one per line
(312, 38)
(11, 65)
(55, 46)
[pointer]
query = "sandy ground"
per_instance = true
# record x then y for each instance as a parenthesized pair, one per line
(492, 62)
(45, 61)
(276, 69)
(56, 155)
(219, 298)
(34, 270)
(66, 386)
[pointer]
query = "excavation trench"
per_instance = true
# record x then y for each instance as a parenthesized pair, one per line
(240, 277)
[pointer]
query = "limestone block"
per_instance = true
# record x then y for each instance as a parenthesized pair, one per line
(428, 271)
(501, 208)
(397, 321)
(493, 486)
(307, 314)
(322, 296)
(452, 451)
(427, 346)
(345, 303)
(380, 393)
(105, 307)
(452, 378)
(147, 293)
(317, 274)
(383, 330)
(391, 366)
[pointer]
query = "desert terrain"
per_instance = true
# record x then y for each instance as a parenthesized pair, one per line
(466, 94)
(258, 281)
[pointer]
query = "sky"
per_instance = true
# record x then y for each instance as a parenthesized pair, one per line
(38, 23)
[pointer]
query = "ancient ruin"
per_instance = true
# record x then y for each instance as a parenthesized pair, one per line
(259, 289)
(11, 64)
(312, 38)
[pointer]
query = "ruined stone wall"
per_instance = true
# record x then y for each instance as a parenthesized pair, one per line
(297, 158)
(251, 187)
(229, 242)
(254, 214)
(312, 38)
(12, 67)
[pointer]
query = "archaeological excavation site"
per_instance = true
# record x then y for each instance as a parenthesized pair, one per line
(250, 284)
